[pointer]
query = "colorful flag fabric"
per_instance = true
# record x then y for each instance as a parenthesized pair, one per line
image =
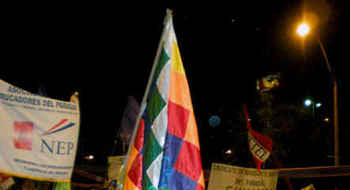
(165, 152)
(128, 121)
(259, 145)
(268, 82)
(6, 182)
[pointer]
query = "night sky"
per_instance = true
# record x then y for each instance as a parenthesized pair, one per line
(106, 52)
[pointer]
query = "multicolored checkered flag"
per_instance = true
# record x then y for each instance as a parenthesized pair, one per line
(165, 153)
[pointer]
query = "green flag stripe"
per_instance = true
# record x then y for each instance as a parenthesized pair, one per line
(155, 105)
(155, 100)
(162, 60)
(147, 184)
(151, 150)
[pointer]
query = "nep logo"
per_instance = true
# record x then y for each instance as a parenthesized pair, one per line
(52, 129)
(24, 138)
(23, 135)
(57, 147)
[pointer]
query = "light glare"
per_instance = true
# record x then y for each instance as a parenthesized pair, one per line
(318, 105)
(303, 29)
(89, 157)
(307, 102)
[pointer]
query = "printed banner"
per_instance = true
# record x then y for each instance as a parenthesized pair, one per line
(38, 135)
(226, 177)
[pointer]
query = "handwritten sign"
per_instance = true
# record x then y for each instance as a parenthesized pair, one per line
(227, 177)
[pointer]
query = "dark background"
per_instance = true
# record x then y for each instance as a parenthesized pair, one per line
(105, 52)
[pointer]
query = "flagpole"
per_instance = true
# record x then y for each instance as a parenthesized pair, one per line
(143, 103)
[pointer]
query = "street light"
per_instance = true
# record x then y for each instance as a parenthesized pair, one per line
(315, 105)
(302, 31)
(318, 104)
(307, 102)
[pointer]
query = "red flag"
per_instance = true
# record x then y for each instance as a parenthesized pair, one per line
(259, 145)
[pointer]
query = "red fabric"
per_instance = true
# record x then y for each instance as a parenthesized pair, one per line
(265, 141)
(188, 161)
(247, 117)
(140, 136)
(257, 163)
(177, 119)
(4, 177)
(199, 187)
(135, 173)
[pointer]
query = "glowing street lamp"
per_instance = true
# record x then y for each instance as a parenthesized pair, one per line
(318, 104)
(307, 102)
(303, 29)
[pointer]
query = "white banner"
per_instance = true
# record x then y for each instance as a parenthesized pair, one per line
(227, 177)
(38, 135)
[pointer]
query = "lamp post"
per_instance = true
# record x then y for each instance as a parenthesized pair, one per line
(303, 30)
(314, 105)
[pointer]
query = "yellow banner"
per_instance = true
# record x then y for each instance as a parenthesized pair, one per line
(227, 177)
(115, 165)
(309, 187)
